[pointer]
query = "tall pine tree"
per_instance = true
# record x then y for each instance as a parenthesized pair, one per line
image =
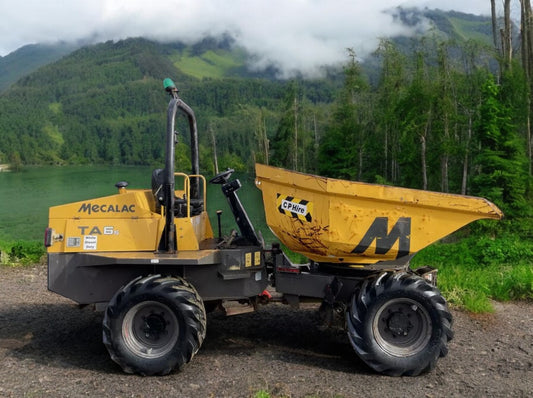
(501, 163)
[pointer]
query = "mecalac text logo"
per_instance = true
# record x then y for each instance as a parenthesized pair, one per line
(112, 208)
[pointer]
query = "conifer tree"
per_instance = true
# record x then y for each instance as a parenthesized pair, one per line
(501, 164)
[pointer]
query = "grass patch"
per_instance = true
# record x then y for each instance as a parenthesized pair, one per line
(21, 252)
(54, 134)
(472, 30)
(211, 64)
(476, 270)
(267, 394)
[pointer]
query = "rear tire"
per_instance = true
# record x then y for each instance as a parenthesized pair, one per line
(399, 324)
(154, 324)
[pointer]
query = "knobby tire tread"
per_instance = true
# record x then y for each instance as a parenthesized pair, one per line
(362, 306)
(192, 321)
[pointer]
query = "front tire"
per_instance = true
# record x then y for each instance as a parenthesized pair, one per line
(399, 324)
(154, 324)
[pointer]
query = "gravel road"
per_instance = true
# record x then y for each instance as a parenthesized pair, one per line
(51, 348)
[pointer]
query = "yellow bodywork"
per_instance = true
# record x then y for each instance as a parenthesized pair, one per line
(337, 221)
(125, 222)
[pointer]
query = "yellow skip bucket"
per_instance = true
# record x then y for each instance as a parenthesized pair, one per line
(337, 221)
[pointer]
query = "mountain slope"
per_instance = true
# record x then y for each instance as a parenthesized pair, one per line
(29, 58)
(105, 103)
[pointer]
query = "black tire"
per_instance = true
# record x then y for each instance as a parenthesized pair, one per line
(154, 324)
(399, 324)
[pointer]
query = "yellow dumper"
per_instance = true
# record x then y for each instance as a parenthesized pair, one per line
(358, 224)
(150, 260)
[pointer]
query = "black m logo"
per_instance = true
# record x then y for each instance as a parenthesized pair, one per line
(384, 241)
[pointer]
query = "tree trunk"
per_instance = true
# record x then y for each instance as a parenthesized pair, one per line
(445, 158)
(394, 164)
(444, 173)
(423, 163)
(466, 158)
(295, 156)
(316, 143)
(360, 169)
(215, 158)
(265, 141)
(494, 24)
(527, 63)
(261, 134)
(529, 143)
(386, 152)
(507, 34)
(524, 28)
(423, 150)
(503, 46)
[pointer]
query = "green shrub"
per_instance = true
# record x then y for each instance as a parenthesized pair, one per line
(506, 250)
(477, 269)
(21, 252)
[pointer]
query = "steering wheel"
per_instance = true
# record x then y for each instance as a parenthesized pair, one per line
(222, 178)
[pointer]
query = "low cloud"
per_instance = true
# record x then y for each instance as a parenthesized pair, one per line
(293, 35)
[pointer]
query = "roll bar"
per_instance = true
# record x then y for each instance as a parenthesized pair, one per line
(176, 104)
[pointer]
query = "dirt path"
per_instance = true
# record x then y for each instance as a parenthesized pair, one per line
(51, 348)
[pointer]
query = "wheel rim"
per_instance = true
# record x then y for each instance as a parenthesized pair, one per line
(402, 327)
(150, 329)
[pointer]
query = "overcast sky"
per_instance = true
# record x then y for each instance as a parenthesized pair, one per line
(292, 34)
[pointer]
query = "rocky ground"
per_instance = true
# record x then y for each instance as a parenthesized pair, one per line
(51, 348)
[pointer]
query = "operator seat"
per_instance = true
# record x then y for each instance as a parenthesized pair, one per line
(180, 204)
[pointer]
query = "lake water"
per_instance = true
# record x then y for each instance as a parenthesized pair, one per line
(26, 196)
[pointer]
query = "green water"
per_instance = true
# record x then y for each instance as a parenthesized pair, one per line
(26, 196)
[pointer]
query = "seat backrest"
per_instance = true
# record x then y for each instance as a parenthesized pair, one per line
(180, 203)
(157, 186)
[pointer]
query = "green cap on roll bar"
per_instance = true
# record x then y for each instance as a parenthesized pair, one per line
(168, 84)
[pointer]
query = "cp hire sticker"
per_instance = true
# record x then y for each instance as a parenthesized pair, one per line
(297, 208)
